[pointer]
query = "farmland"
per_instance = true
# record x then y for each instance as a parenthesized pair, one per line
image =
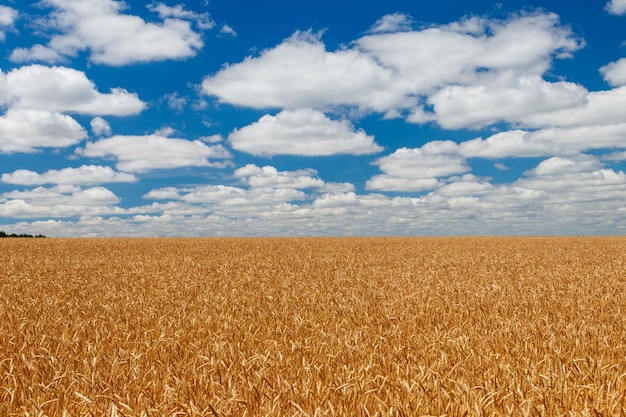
(313, 327)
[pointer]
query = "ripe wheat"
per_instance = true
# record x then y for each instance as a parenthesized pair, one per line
(313, 327)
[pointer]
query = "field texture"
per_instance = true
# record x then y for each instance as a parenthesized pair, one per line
(313, 327)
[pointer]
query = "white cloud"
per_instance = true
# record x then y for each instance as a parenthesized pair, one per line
(573, 164)
(545, 142)
(265, 192)
(435, 159)
(83, 175)
(114, 38)
(38, 53)
(100, 127)
(303, 132)
(27, 130)
(227, 30)
(64, 89)
(58, 201)
(396, 22)
(598, 108)
(8, 16)
(417, 169)
(579, 187)
(617, 7)
(503, 98)
(393, 72)
(144, 153)
(615, 72)
(270, 177)
(300, 73)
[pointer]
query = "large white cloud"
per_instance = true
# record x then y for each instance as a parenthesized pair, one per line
(58, 201)
(144, 153)
(62, 89)
(507, 97)
(418, 169)
(36, 96)
(27, 130)
(546, 142)
(394, 72)
(573, 164)
(300, 73)
(114, 38)
(83, 175)
(460, 52)
(303, 132)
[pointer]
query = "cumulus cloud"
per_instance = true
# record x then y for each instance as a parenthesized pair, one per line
(425, 162)
(598, 108)
(83, 175)
(100, 127)
(573, 164)
(112, 37)
(303, 132)
(615, 73)
(266, 190)
(396, 22)
(394, 70)
(506, 98)
(144, 153)
(270, 177)
(617, 7)
(27, 130)
(300, 73)
(545, 142)
(62, 89)
(418, 169)
(38, 53)
(559, 197)
(58, 201)
(8, 16)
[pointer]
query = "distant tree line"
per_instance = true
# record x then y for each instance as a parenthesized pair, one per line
(3, 234)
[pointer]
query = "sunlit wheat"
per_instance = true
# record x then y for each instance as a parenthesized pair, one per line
(313, 327)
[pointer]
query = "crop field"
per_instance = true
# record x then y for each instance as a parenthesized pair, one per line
(313, 327)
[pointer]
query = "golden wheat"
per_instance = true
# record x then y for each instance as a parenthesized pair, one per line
(313, 327)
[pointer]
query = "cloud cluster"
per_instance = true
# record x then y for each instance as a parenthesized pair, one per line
(395, 70)
(144, 153)
(83, 175)
(112, 37)
(481, 74)
(36, 98)
(561, 195)
(58, 202)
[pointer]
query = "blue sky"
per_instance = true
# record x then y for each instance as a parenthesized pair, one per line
(231, 118)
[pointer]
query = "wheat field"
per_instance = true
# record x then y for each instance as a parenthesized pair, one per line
(313, 327)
